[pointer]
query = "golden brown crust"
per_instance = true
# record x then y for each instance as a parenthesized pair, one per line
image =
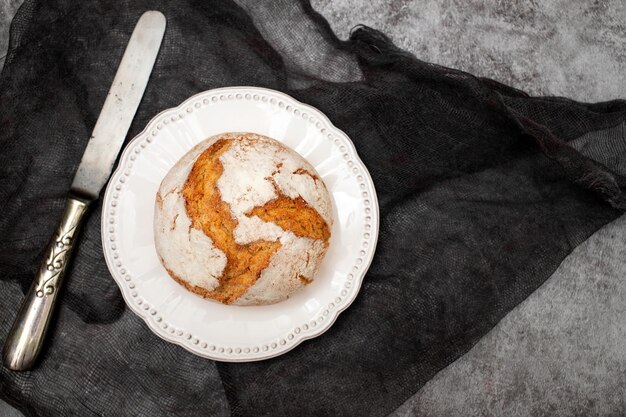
(304, 280)
(302, 171)
(294, 215)
(203, 292)
(159, 200)
(210, 214)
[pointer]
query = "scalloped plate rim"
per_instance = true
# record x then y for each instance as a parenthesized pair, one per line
(322, 328)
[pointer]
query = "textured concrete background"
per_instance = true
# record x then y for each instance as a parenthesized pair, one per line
(559, 353)
(562, 351)
(7, 10)
(573, 48)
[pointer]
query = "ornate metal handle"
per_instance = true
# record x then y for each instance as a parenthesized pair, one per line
(27, 334)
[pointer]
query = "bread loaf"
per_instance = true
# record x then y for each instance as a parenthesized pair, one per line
(242, 219)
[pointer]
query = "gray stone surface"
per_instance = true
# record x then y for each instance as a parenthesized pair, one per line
(572, 48)
(7, 11)
(561, 352)
(7, 411)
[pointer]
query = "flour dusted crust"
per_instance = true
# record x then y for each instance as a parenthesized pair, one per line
(242, 219)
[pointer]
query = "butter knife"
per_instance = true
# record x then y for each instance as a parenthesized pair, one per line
(31, 323)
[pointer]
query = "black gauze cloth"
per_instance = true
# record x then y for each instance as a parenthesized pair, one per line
(483, 191)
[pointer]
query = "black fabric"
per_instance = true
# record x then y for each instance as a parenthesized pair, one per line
(481, 198)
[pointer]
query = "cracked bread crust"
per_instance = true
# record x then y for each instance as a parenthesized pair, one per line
(262, 211)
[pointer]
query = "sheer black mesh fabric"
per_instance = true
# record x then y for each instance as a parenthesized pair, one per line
(481, 198)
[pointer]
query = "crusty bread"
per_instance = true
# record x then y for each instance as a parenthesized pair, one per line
(242, 219)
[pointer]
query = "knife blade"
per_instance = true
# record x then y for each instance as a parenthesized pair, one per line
(120, 106)
(26, 337)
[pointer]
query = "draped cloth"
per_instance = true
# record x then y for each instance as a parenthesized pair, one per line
(483, 191)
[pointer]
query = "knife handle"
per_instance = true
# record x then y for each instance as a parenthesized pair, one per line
(29, 328)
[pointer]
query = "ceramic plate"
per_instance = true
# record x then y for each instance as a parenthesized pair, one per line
(205, 327)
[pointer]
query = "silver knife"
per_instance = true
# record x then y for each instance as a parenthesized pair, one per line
(27, 334)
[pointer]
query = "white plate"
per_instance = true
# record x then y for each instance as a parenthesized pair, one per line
(205, 327)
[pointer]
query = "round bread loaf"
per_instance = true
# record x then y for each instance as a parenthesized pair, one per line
(242, 219)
